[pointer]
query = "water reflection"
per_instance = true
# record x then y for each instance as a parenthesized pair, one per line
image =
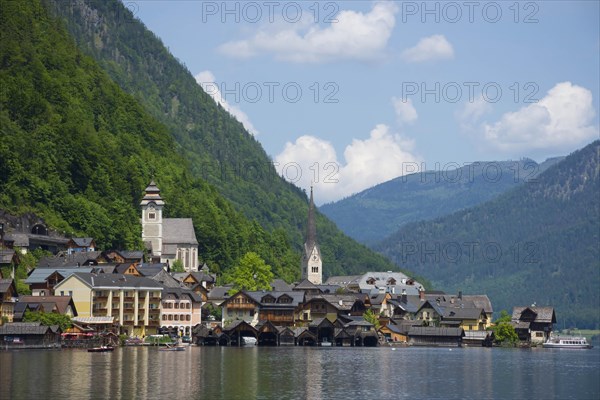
(300, 373)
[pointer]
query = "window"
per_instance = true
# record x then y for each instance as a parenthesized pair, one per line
(70, 293)
(62, 293)
(539, 334)
(315, 270)
(151, 215)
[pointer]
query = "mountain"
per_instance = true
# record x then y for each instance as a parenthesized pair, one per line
(373, 214)
(539, 242)
(82, 136)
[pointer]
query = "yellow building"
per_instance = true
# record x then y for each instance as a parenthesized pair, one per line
(133, 302)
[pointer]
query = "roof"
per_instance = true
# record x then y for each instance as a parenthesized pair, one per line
(435, 331)
(152, 194)
(342, 302)
(462, 313)
(199, 276)
(82, 242)
(343, 280)
(131, 255)
(18, 239)
(63, 260)
(24, 328)
(480, 301)
(182, 292)
(219, 292)
(542, 314)
(5, 284)
(178, 231)
(279, 285)
(94, 320)
(305, 285)
(39, 275)
(114, 281)
(150, 270)
(60, 302)
(6, 256)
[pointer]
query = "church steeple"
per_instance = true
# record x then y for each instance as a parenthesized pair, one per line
(312, 265)
(311, 228)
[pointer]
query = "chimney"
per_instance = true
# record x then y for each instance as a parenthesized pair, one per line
(421, 294)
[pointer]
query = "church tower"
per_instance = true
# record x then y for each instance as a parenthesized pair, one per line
(312, 265)
(152, 220)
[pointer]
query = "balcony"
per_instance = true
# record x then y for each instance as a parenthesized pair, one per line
(130, 299)
(240, 306)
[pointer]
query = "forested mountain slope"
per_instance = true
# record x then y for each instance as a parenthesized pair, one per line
(539, 242)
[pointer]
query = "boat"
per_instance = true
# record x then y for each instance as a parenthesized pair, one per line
(325, 343)
(567, 342)
(249, 341)
(101, 349)
(169, 347)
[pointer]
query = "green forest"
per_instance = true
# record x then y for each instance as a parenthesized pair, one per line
(539, 242)
(82, 137)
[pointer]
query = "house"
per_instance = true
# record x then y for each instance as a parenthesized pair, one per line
(435, 336)
(62, 304)
(8, 296)
(378, 282)
(42, 281)
(180, 311)
(168, 239)
(29, 335)
(468, 319)
(533, 324)
(241, 307)
(77, 245)
(393, 333)
(134, 302)
(8, 257)
(330, 306)
(78, 259)
(192, 279)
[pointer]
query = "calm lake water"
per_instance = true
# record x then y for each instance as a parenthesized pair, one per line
(301, 373)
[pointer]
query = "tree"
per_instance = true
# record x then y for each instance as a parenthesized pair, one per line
(177, 266)
(505, 333)
(504, 317)
(251, 273)
(48, 319)
(373, 318)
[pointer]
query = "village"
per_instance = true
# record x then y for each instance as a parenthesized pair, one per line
(117, 297)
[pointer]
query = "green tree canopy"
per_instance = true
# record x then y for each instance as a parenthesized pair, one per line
(372, 318)
(48, 319)
(177, 266)
(252, 273)
(505, 333)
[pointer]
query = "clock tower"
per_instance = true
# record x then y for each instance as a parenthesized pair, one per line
(312, 265)
(152, 220)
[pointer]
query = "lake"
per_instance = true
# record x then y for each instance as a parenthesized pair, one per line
(301, 373)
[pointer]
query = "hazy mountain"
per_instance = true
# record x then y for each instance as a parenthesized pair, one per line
(377, 212)
(539, 242)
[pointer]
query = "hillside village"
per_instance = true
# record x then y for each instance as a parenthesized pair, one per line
(137, 295)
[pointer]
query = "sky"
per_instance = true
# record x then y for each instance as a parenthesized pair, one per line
(346, 95)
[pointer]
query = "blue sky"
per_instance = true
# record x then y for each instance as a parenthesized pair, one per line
(387, 87)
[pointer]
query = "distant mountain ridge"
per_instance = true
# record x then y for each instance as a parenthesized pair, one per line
(375, 213)
(539, 242)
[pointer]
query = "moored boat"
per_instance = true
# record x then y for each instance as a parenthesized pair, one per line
(567, 342)
(101, 349)
(173, 348)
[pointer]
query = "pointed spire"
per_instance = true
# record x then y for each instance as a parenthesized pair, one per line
(311, 230)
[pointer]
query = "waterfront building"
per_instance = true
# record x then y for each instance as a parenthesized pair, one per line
(533, 324)
(134, 302)
(180, 311)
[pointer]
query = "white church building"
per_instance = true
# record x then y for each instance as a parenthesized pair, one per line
(168, 239)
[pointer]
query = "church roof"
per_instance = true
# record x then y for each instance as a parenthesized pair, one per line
(178, 231)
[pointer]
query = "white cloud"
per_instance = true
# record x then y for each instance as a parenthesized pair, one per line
(381, 157)
(405, 111)
(561, 121)
(471, 113)
(355, 36)
(207, 81)
(431, 48)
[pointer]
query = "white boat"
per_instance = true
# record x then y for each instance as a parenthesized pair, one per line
(325, 343)
(249, 341)
(567, 342)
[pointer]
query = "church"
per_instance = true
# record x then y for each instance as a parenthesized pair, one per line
(168, 239)
(312, 264)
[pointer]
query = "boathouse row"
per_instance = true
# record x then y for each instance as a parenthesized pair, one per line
(319, 332)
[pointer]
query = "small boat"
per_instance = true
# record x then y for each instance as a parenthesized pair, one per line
(248, 341)
(169, 347)
(567, 342)
(101, 349)
(325, 343)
